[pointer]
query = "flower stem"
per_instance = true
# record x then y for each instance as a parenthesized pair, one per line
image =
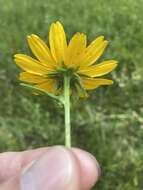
(67, 111)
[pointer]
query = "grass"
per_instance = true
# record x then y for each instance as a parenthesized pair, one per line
(110, 124)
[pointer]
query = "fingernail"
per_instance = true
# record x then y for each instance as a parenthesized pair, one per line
(99, 170)
(54, 170)
(28, 166)
(97, 165)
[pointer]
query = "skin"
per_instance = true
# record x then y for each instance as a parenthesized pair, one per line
(79, 169)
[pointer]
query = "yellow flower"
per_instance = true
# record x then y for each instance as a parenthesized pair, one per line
(76, 59)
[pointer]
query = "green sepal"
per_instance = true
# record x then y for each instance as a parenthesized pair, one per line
(38, 90)
(79, 87)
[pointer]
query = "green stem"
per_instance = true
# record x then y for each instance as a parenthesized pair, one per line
(67, 111)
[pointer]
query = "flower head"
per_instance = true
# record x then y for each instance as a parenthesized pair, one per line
(75, 59)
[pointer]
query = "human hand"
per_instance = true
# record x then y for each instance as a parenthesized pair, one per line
(52, 168)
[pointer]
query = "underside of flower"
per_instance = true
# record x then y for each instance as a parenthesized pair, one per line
(77, 60)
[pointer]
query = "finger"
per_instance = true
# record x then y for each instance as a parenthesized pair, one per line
(58, 168)
(90, 170)
(11, 163)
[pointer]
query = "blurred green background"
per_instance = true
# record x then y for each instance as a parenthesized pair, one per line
(109, 124)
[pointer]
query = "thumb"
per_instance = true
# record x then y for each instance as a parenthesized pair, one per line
(59, 168)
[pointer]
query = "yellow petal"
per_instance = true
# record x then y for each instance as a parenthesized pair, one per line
(90, 83)
(76, 46)
(47, 86)
(31, 65)
(100, 69)
(31, 78)
(93, 51)
(40, 50)
(58, 43)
